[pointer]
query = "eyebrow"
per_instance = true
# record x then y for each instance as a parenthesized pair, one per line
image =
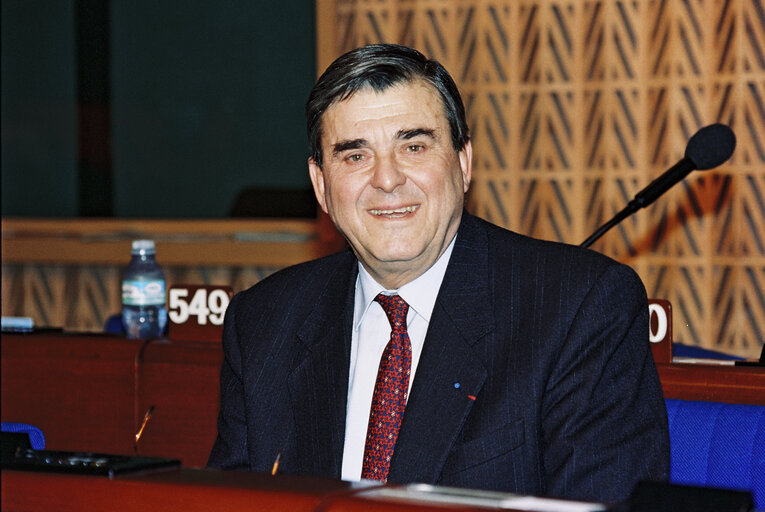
(345, 145)
(416, 132)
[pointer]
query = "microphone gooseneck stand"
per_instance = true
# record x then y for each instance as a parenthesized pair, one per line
(708, 148)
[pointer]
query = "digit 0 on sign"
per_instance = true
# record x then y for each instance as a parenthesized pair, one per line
(196, 312)
(660, 329)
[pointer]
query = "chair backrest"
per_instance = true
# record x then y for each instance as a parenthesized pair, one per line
(36, 437)
(718, 445)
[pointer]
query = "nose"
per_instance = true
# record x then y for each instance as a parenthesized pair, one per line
(387, 174)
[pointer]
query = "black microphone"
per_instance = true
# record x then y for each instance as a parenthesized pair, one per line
(709, 147)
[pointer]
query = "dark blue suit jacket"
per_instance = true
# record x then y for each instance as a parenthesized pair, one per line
(551, 341)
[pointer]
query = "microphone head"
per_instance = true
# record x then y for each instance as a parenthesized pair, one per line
(711, 146)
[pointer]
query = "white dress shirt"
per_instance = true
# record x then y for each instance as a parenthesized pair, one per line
(371, 333)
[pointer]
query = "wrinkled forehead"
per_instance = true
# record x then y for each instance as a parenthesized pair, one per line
(404, 107)
(428, 94)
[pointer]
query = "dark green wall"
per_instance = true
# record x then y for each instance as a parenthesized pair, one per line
(206, 98)
(39, 116)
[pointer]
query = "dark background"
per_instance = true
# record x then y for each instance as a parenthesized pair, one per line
(152, 108)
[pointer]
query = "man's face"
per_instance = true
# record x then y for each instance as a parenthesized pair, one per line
(391, 181)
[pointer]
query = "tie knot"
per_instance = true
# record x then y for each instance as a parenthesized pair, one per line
(396, 309)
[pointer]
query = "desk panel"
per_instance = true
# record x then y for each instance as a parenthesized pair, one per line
(90, 392)
(79, 389)
(181, 381)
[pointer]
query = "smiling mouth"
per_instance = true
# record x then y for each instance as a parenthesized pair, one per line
(397, 212)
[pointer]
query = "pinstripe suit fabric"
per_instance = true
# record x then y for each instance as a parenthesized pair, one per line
(557, 390)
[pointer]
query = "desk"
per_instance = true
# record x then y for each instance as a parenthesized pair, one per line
(192, 490)
(183, 489)
(90, 392)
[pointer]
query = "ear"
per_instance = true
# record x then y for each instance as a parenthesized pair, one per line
(317, 180)
(466, 164)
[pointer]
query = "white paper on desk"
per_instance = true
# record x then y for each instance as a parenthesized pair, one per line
(550, 505)
(697, 360)
(424, 493)
(17, 324)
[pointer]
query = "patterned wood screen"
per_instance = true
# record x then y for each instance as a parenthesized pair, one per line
(83, 297)
(574, 106)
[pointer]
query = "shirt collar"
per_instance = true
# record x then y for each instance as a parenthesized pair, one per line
(420, 294)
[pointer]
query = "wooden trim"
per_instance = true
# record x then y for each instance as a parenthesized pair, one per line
(713, 383)
(122, 227)
(275, 243)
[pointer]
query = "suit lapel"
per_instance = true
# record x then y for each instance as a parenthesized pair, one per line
(449, 372)
(319, 383)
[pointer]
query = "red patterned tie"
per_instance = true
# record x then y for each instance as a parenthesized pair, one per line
(391, 389)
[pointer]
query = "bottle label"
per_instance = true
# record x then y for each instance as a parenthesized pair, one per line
(143, 293)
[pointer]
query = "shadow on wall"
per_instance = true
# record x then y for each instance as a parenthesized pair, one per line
(275, 202)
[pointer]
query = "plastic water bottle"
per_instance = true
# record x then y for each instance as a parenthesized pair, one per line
(144, 314)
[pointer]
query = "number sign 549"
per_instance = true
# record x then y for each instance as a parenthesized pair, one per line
(206, 305)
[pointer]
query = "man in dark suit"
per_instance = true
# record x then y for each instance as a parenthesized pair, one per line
(439, 348)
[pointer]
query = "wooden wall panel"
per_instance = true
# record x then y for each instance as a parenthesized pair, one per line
(67, 273)
(574, 106)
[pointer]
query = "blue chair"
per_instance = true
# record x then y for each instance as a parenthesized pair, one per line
(36, 437)
(682, 350)
(718, 445)
(114, 325)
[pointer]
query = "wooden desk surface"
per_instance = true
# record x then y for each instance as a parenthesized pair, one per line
(184, 489)
(192, 490)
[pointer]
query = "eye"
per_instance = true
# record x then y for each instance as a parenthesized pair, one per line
(415, 148)
(355, 157)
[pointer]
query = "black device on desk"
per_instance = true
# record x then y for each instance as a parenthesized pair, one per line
(761, 362)
(17, 454)
(666, 497)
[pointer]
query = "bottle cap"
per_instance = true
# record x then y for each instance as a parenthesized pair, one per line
(140, 246)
